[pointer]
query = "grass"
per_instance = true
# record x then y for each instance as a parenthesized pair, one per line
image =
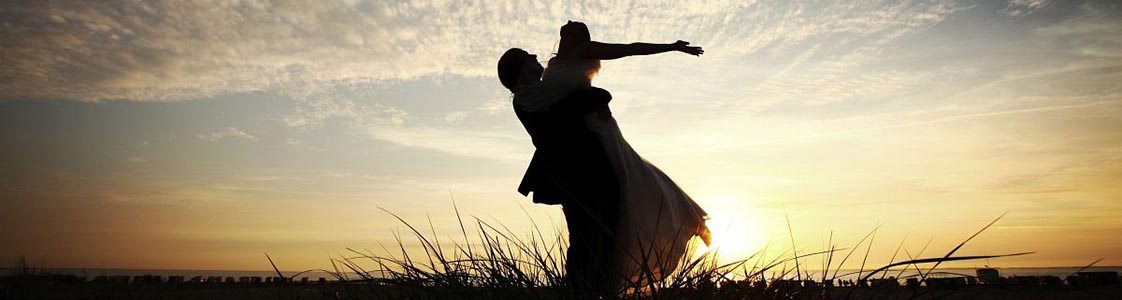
(23, 267)
(498, 264)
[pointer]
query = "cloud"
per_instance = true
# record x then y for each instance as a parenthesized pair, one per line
(831, 53)
(497, 146)
(170, 51)
(456, 117)
(338, 59)
(1095, 31)
(319, 108)
(173, 51)
(1017, 8)
(229, 132)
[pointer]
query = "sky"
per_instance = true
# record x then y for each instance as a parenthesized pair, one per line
(200, 134)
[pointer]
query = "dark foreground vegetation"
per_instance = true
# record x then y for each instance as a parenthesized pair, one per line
(70, 287)
(497, 265)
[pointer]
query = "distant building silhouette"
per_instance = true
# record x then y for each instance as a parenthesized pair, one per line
(988, 275)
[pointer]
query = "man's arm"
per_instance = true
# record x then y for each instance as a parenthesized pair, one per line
(582, 102)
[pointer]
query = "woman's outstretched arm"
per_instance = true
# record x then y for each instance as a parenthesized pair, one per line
(605, 51)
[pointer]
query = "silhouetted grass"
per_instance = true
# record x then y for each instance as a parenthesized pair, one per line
(498, 264)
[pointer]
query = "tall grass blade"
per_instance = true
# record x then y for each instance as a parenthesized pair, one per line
(963, 243)
(939, 260)
(274, 266)
(1084, 268)
(795, 250)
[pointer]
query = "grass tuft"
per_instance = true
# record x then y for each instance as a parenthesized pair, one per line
(499, 264)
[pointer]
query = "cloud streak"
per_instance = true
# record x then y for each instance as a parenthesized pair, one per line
(228, 133)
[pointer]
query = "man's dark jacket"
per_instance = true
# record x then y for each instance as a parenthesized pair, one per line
(569, 156)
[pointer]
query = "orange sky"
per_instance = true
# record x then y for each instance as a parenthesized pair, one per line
(188, 136)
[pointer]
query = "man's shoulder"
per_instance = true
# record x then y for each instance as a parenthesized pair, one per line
(524, 93)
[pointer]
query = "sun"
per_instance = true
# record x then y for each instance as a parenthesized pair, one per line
(737, 230)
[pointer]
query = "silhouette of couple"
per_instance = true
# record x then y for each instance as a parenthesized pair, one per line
(628, 223)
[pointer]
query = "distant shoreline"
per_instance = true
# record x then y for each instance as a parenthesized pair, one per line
(316, 274)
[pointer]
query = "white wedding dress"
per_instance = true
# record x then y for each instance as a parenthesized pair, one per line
(657, 218)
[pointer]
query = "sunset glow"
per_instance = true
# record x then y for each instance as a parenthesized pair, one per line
(737, 231)
(191, 135)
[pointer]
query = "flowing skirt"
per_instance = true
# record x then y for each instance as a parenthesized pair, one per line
(657, 219)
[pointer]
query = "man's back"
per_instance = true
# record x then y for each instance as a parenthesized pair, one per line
(566, 148)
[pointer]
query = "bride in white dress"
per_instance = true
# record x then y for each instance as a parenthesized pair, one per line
(657, 218)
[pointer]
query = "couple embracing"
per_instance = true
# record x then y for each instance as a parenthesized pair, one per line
(628, 223)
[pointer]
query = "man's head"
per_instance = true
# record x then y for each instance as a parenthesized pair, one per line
(517, 66)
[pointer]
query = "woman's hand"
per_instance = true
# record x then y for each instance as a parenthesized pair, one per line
(685, 47)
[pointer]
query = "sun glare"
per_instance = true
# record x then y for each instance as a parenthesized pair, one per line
(737, 230)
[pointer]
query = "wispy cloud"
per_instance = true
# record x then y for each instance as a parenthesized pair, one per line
(1096, 31)
(181, 50)
(337, 59)
(166, 51)
(458, 141)
(1018, 8)
(228, 133)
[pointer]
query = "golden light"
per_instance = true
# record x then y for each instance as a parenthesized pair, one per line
(736, 228)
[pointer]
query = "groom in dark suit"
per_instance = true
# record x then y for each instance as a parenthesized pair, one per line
(570, 168)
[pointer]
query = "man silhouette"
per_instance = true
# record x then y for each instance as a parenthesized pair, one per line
(570, 168)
